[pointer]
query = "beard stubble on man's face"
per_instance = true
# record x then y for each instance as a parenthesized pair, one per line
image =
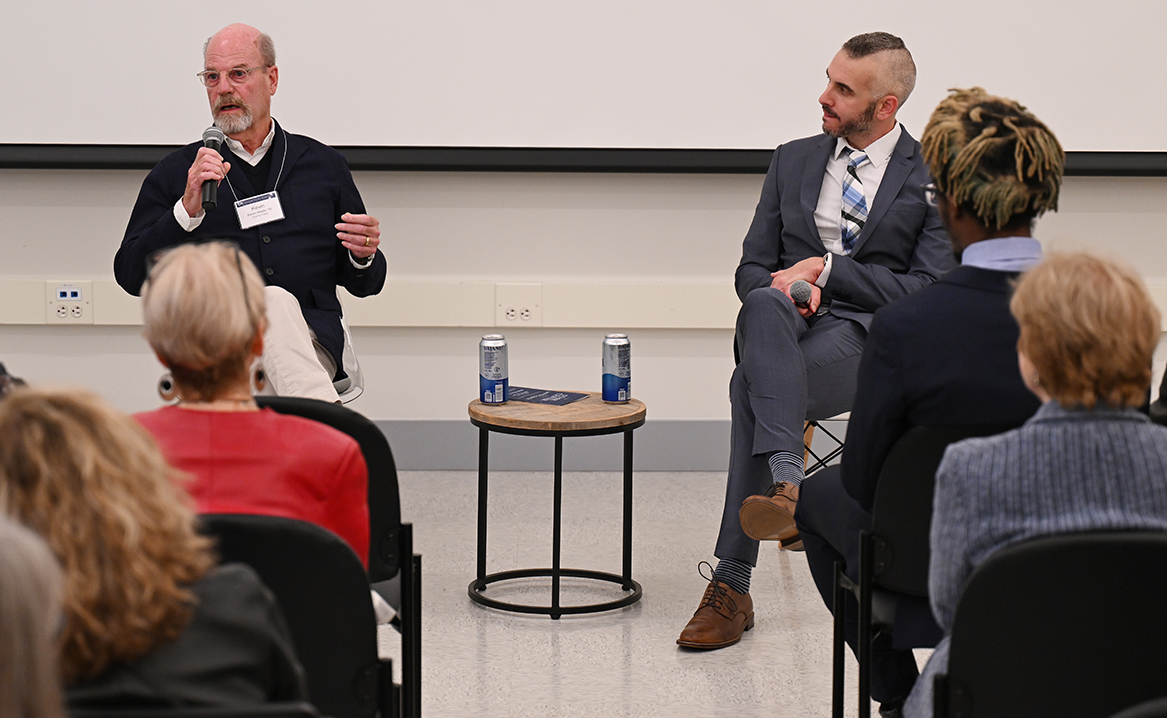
(859, 125)
(232, 123)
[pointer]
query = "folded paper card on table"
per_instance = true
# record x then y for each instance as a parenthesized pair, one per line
(544, 396)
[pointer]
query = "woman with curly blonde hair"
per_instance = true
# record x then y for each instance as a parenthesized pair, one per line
(147, 616)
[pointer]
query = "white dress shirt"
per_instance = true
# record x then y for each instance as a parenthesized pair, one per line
(828, 212)
(190, 224)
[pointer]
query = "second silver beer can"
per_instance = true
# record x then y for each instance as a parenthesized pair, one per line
(617, 378)
(493, 377)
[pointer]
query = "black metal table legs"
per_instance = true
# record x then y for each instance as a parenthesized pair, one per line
(556, 571)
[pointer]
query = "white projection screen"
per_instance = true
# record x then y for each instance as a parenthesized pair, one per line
(672, 74)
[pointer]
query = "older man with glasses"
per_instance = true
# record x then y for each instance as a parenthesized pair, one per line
(287, 200)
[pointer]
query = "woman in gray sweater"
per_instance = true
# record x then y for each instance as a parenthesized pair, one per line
(1087, 460)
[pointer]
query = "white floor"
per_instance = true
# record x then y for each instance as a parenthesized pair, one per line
(483, 662)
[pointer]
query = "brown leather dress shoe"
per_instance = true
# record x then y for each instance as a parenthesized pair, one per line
(771, 517)
(720, 619)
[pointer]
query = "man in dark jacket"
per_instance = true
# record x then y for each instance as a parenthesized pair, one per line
(287, 200)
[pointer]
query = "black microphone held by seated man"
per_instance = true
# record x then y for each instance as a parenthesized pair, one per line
(213, 138)
(800, 292)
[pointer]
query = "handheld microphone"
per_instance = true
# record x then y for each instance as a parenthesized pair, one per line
(213, 138)
(800, 292)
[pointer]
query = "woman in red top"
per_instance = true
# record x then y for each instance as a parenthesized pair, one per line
(203, 307)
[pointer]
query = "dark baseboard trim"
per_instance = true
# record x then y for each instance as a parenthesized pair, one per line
(660, 445)
(452, 445)
(526, 159)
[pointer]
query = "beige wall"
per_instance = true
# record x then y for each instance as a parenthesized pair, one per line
(663, 246)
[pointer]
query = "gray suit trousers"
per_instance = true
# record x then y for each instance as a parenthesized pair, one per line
(791, 370)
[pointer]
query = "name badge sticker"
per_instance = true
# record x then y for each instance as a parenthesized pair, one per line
(260, 209)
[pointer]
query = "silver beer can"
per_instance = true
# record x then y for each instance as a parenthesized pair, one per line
(617, 377)
(493, 377)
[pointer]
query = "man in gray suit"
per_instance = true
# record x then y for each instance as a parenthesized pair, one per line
(845, 212)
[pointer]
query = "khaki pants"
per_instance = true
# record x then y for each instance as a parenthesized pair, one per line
(295, 363)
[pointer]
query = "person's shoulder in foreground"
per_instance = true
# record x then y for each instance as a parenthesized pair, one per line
(235, 650)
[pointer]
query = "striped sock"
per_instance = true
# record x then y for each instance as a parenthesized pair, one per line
(734, 573)
(787, 466)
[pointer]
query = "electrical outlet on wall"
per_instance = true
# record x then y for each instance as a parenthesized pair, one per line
(69, 302)
(518, 304)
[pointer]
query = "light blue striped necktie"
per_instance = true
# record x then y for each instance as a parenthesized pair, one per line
(854, 203)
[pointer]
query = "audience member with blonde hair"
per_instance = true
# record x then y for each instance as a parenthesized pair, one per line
(1087, 460)
(30, 612)
(148, 618)
(203, 306)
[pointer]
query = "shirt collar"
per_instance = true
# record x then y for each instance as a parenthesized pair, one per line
(878, 152)
(253, 158)
(1004, 254)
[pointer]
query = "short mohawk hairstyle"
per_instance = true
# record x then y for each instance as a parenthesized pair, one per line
(898, 76)
(870, 43)
(992, 156)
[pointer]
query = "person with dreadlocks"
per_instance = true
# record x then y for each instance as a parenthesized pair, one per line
(944, 356)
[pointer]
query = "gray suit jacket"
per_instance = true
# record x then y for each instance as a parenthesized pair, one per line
(901, 249)
(1063, 471)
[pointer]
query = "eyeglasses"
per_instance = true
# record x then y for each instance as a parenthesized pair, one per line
(237, 75)
(930, 193)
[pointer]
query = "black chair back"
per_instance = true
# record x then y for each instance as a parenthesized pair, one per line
(894, 554)
(1068, 625)
(901, 517)
(390, 541)
(384, 495)
(324, 593)
(1158, 408)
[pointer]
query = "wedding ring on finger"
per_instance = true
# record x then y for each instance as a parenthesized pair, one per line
(366, 241)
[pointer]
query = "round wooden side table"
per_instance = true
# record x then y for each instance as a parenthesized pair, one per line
(586, 417)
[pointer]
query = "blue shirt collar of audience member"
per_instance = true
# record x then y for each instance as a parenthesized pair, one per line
(1004, 254)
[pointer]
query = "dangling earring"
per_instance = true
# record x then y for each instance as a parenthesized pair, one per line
(258, 378)
(166, 388)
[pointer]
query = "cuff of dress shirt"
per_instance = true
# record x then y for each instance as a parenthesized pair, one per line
(368, 261)
(821, 282)
(185, 221)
